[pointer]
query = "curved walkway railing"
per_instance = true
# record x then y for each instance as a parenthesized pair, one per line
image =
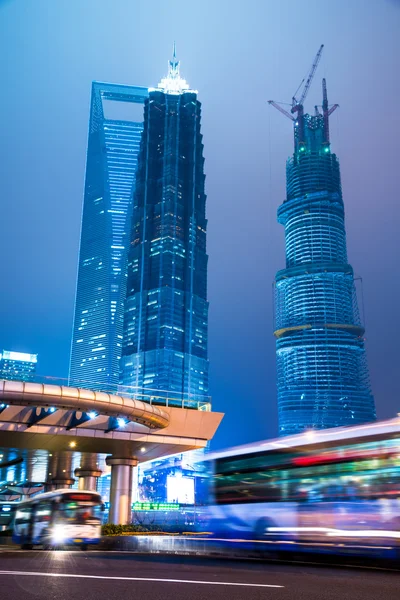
(77, 399)
(148, 395)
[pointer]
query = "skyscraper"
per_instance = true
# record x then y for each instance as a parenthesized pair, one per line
(166, 310)
(113, 147)
(17, 366)
(323, 378)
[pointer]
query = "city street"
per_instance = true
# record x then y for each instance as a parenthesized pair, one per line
(113, 575)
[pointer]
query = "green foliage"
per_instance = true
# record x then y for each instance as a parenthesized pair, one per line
(111, 529)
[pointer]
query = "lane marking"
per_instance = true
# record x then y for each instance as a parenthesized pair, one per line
(197, 582)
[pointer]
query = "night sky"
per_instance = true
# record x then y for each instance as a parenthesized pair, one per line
(238, 54)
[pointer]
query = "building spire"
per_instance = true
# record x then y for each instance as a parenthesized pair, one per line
(173, 83)
(173, 65)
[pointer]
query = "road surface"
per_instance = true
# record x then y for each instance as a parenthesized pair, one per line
(77, 575)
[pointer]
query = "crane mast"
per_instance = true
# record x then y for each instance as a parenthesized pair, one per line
(296, 104)
(326, 111)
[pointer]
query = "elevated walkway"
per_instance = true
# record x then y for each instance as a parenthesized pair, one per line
(57, 417)
(63, 420)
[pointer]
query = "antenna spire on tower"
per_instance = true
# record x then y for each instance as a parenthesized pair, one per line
(173, 83)
(173, 66)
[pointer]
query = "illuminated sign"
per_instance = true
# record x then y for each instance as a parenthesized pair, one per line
(150, 506)
(80, 497)
(155, 506)
(21, 356)
(180, 489)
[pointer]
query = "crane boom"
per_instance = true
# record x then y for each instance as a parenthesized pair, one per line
(282, 110)
(295, 102)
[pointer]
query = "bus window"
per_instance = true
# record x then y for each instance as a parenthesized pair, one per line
(23, 515)
(22, 524)
(76, 513)
(42, 519)
(43, 513)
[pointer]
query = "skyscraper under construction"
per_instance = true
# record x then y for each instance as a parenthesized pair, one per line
(323, 378)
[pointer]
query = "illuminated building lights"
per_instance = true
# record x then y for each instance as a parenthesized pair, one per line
(112, 153)
(166, 310)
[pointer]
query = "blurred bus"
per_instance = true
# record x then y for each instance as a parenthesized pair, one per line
(334, 487)
(62, 517)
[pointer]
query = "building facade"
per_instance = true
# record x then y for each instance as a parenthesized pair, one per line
(166, 310)
(18, 366)
(113, 147)
(323, 378)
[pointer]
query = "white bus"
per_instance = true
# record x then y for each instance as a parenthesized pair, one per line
(335, 487)
(62, 517)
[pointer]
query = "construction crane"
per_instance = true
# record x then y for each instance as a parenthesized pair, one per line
(282, 110)
(297, 105)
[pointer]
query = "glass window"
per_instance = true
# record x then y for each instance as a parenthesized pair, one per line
(43, 512)
(23, 515)
(78, 513)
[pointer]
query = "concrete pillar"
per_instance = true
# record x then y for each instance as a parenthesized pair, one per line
(121, 489)
(63, 476)
(88, 472)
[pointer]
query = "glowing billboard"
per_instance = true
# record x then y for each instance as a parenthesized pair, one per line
(180, 489)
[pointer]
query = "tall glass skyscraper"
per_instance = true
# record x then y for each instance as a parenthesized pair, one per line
(166, 311)
(113, 147)
(323, 378)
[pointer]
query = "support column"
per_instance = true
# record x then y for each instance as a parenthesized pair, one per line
(121, 489)
(62, 477)
(88, 472)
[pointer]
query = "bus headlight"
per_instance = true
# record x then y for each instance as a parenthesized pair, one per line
(59, 534)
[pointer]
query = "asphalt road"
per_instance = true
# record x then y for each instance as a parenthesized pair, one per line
(92, 575)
